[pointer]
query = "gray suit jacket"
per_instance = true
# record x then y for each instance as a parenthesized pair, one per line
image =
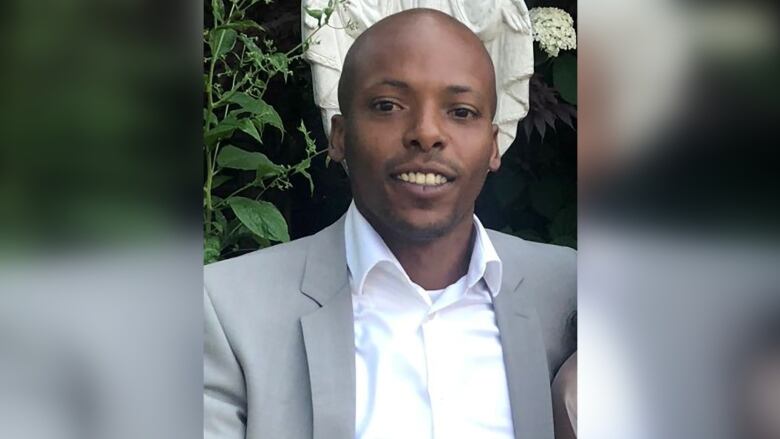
(279, 360)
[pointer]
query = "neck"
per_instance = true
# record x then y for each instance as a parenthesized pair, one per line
(437, 263)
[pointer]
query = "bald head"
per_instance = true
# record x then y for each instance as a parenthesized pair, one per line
(389, 36)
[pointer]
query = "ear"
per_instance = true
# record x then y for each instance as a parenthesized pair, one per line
(495, 155)
(336, 145)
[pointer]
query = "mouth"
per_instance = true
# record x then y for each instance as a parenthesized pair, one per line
(425, 179)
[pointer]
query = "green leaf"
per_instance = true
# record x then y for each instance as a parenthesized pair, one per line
(218, 9)
(253, 51)
(315, 13)
(261, 242)
(248, 103)
(270, 117)
(302, 168)
(311, 182)
(248, 127)
(236, 158)
(242, 25)
(263, 113)
(222, 41)
(223, 129)
(311, 146)
(218, 180)
(261, 217)
(211, 251)
(220, 222)
(209, 118)
(565, 77)
(328, 11)
(235, 231)
(280, 62)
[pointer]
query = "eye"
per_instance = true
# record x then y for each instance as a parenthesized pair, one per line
(464, 113)
(385, 106)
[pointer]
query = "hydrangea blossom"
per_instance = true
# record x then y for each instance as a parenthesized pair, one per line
(553, 29)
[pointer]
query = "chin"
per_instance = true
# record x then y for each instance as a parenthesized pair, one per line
(424, 227)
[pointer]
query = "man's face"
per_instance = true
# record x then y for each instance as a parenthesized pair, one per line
(418, 139)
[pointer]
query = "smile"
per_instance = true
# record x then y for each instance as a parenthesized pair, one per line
(422, 179)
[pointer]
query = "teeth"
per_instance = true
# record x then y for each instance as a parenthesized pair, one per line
(429, 179)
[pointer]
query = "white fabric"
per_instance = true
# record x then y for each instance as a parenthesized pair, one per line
(428, 364)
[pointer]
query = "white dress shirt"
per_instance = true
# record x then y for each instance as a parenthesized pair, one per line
(428, 364)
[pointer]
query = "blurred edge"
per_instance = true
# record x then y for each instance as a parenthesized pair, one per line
(100, 234)
(679, 290)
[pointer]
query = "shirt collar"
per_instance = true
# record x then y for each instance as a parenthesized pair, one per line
(365, 249)
(485, 262)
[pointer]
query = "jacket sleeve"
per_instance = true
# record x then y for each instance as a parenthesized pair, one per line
(224, 388)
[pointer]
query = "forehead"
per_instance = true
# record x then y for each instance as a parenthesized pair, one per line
(426, 55)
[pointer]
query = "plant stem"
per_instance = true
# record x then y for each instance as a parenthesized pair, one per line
(216, 146)
(209, 112)
(269, 186)
(287, 173)
(236, 192)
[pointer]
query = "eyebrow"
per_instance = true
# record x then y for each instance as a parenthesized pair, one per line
(460, 89)
(391, 83)
(452, 89)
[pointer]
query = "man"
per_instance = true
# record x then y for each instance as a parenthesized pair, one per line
(406, 318)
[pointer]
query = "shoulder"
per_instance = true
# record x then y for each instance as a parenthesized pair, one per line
(269, 280)
(262, 286)
(254, 303)
(281, 259)
(550, 270)
(534, 256)
(548, 279)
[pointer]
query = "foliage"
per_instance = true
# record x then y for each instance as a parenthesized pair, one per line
(532, 196)
(534, 193)
(555, 73)
(240, 63)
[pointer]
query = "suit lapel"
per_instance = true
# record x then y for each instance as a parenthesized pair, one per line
(525, 357)
(328, 335)
(329, 341)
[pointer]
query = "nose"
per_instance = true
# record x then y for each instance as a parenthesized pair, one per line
(425, 130)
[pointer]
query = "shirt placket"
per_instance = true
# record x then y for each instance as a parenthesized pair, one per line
(432, 342)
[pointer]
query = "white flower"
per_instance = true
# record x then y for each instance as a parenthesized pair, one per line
(553, 29)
